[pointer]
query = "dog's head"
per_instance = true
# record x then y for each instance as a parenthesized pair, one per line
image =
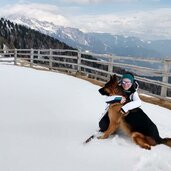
(109, 87)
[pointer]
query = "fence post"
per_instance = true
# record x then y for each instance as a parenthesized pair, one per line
(50, 59)
(165, 78)
(110, 65)
(79, 61)
(31, 57)
(15, 56)
(38, 54)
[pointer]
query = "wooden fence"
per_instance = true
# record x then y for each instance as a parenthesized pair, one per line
(150, 71)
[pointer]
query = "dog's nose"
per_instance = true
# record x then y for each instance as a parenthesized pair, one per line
(101, 91)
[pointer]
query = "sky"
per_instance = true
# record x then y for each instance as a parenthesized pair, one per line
(45, 117)
(142, 18)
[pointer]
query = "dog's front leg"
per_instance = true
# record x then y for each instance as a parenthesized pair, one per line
(114, 120)
(111, 129)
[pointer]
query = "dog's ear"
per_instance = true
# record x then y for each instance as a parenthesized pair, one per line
(111, 77)
(114, 78)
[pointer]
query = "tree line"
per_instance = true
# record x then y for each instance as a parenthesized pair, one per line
(20, 37)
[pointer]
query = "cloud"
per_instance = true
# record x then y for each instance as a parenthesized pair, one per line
(42, 12)
(152, 24)
(101, 1)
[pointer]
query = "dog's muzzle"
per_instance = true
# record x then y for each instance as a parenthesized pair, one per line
(102, 92)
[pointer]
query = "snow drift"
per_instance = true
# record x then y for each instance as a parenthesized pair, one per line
(46, 116)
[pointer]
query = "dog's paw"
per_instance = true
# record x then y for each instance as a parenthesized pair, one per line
(104, 136)
(100, 137)
(145, 146)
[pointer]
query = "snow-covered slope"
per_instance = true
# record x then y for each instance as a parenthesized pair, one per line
(46, 116)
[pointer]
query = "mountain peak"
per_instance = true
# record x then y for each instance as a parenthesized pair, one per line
(97, 42)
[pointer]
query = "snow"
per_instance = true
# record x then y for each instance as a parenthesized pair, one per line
(7, 60)
(46, 116)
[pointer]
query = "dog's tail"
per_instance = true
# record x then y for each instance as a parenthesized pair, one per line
(166, 141)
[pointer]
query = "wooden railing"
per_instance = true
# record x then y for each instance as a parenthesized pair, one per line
(99, 66)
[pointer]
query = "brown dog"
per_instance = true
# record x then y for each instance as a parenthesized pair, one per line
(136, 124)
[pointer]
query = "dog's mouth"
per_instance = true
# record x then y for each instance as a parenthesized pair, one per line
(102, 92)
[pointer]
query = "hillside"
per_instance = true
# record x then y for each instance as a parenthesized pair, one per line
(46, 116)
(21, 37)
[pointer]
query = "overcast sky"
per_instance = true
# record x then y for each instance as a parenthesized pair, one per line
(149, 19)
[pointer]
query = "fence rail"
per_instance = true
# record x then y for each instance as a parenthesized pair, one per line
(154, 71)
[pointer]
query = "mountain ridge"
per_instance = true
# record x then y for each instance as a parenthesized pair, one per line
(22, 37)
(104, 43)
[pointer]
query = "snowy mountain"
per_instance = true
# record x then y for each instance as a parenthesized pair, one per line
(21, 37)
(98, 42)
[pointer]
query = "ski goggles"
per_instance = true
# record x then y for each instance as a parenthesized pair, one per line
(126, 82)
